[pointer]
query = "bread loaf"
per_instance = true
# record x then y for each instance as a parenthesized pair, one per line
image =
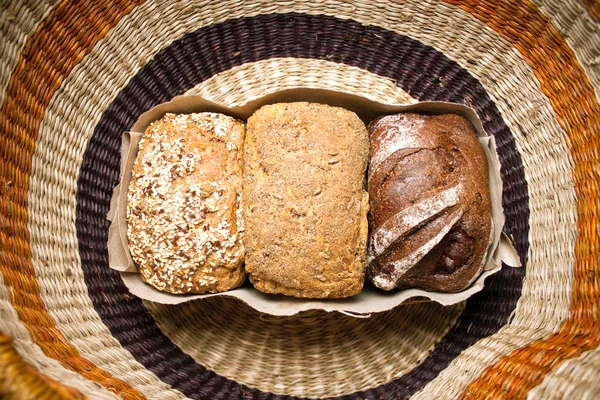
(305, 202)
(430, 215)
(184, 204)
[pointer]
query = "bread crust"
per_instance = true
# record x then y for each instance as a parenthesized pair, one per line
(305, 202)
(428, 175)
(184, 214)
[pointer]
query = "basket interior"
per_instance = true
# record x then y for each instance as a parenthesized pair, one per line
(75, 76)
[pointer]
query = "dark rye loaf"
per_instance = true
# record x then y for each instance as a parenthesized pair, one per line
(430, 218)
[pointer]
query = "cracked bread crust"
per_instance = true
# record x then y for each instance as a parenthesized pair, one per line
(428, 175)
(305, 202)
(184, 212)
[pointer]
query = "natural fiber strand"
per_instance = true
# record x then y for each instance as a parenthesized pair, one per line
(572, 379)
(19, 381)
(107, 136)
(18, 22)
(581, 30)
(51, 268)
(17, 143)
(578, 111)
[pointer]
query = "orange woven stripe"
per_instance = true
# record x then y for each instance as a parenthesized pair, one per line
(60, 43)
(593, 7)
(21, 381)
(572, 97)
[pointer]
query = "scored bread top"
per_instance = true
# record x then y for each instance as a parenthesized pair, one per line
(430, 217)
(184, 204)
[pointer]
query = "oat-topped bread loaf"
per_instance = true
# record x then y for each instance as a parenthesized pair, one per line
(184, 211)
(430, 218)
(305, 204)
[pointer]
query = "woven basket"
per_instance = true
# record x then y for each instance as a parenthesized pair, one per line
(75, 74)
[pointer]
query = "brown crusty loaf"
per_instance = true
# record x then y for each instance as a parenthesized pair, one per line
(304, 200)
(430, 215)
(183, 210)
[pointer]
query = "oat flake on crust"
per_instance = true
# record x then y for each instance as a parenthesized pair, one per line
(183, 210)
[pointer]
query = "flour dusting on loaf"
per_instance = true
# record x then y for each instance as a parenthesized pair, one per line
(430, 217)
(184, 211)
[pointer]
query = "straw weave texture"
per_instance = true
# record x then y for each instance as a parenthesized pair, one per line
(74, 75)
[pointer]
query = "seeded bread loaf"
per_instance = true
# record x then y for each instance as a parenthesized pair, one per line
(430, 215)
(183, 212)
(305, 202)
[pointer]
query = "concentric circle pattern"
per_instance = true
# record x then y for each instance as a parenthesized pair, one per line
(75, 75)
(359, 40)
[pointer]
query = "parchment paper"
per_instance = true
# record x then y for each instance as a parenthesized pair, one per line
(370, 300)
